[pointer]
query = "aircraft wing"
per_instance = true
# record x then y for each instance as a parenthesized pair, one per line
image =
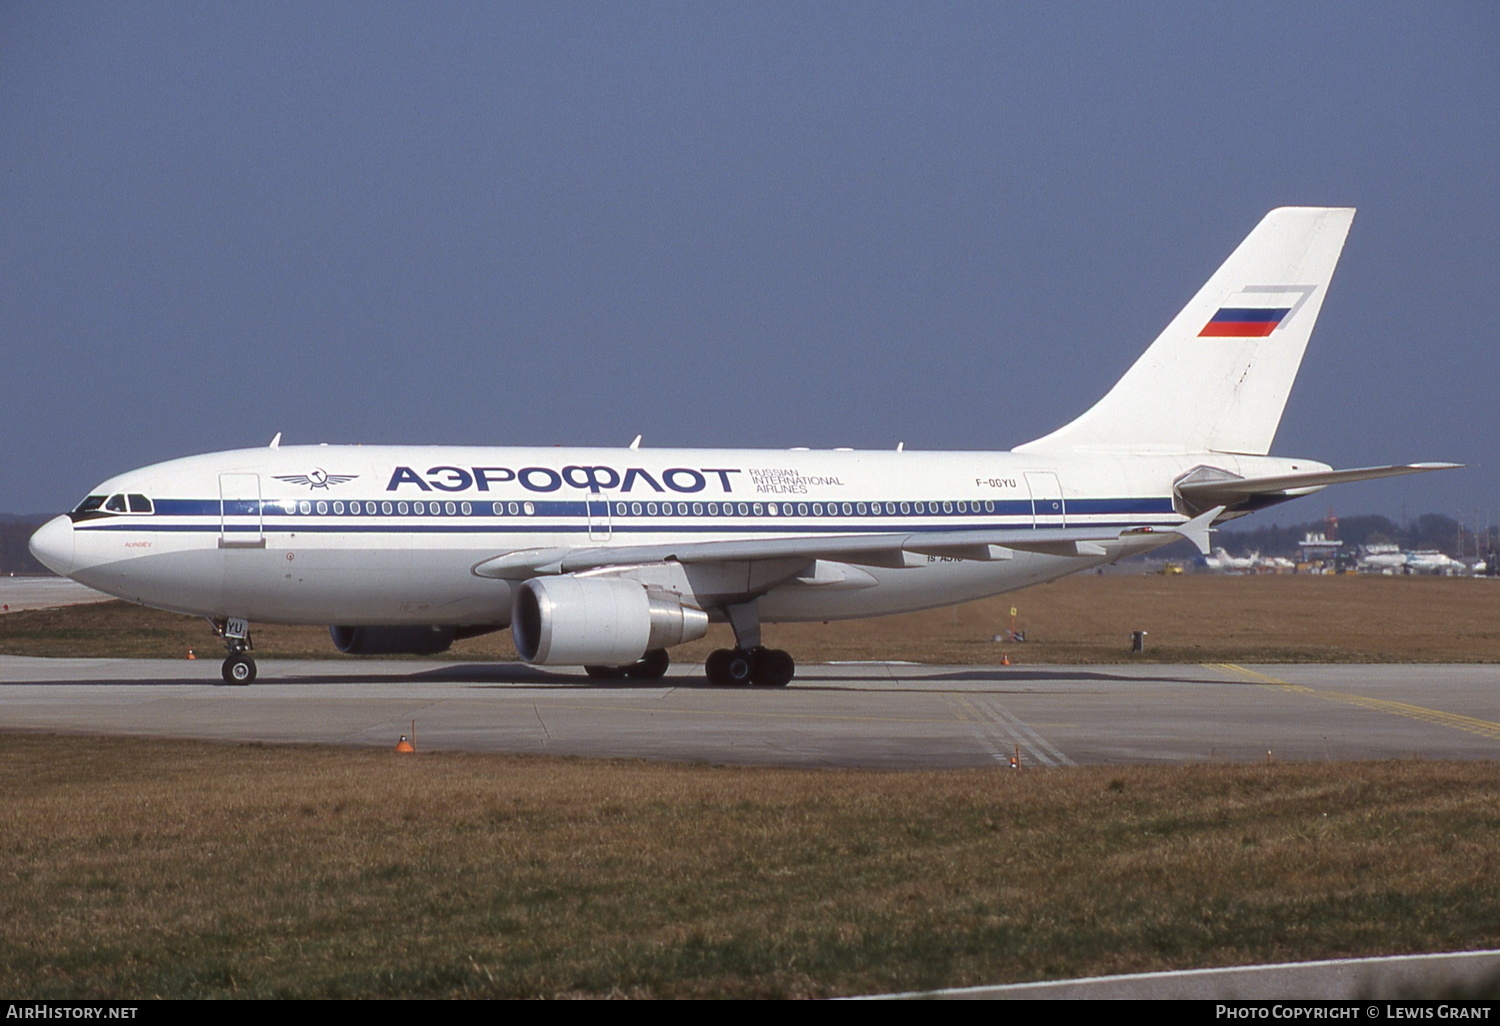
(1228, 491)
(895, 549)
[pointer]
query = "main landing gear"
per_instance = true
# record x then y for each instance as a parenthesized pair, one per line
(239, 665)
(749, 662)
(770, 667)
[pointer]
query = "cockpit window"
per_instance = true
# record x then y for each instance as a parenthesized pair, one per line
(97, 506)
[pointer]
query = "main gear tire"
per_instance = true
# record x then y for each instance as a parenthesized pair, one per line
(715, 667)
(774, 668)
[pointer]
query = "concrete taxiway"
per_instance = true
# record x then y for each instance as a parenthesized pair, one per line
(18, 593)
(878, 715)
(1461, 975)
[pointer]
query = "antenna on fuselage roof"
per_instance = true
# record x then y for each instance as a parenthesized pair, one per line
(637, 443)
(276, 442)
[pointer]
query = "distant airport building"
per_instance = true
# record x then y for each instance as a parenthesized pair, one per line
(1319, 548)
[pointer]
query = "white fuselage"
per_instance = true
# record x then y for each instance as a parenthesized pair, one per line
(386, 535)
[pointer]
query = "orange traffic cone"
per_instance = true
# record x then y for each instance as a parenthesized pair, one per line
(1004, 658)
(191, 655)
(404, 745)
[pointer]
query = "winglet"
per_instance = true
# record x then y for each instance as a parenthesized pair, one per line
(1197, 529)
(276, 442)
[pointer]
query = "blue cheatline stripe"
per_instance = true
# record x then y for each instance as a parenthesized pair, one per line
(485, 509)
(556, 516)
(1117, 507)
(536, 526)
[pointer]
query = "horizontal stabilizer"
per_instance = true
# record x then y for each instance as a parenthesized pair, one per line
(1230, 490)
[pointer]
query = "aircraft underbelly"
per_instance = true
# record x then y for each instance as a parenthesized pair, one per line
(302, 584)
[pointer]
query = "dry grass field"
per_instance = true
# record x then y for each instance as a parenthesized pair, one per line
(138, 869)
(135, 869)
(1086, 619)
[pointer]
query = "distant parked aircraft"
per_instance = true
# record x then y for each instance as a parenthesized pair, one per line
(1225, 563)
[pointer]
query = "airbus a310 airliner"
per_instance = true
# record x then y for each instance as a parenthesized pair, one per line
(606, 558)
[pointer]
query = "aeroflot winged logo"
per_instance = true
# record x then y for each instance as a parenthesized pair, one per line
(317, 477)
(1256, 311)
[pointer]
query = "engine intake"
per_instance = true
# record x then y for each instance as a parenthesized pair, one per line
(597, 621)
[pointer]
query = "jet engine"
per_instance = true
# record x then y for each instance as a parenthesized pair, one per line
(419, 640)
(598, 621)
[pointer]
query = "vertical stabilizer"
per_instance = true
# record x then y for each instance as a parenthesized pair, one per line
(1217, 379)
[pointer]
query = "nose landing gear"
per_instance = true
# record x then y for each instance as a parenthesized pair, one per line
(239, 665)
(238, 668)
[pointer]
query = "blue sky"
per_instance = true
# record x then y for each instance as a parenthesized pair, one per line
(766, 224)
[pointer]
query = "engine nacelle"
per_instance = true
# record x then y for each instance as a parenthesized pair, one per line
(597, 621)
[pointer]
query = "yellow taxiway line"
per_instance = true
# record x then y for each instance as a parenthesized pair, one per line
(1470, 724)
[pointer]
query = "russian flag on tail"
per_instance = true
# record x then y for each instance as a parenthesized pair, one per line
(1251, 314)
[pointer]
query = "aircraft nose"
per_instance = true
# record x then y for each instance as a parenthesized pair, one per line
(53, 545)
